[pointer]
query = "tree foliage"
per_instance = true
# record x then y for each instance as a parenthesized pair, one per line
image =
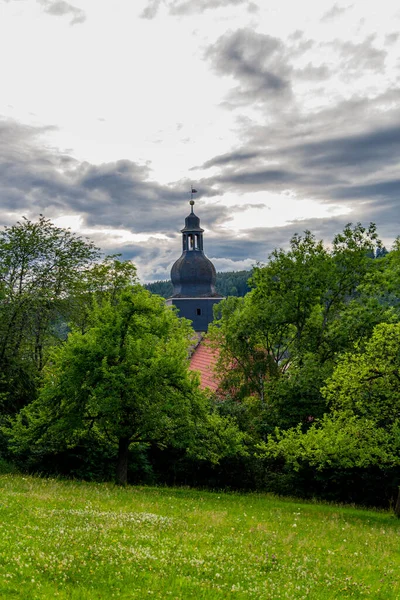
(126, 377)
(362, 427)
(340, 439)
(40, 269)
(280, 341)
(101, 282)
(366, 382)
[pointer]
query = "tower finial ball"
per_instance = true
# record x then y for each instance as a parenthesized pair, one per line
(191, 202)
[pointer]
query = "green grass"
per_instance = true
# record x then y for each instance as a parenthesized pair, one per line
(67, 539)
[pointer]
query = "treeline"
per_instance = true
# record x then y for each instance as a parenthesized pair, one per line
(232, 283)
(94, 378)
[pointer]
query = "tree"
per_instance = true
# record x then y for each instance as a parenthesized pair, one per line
(127, 377)
(101, 282)
(247, 354)
(280, 341)
(40, 267)
(362, 425)
(383, 282)
(367, 380)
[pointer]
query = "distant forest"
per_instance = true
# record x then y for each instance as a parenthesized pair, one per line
(232, 283)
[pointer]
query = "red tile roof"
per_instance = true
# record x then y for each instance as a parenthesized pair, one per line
(203, 360)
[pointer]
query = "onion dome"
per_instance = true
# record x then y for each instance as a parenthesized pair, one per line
(193, 275)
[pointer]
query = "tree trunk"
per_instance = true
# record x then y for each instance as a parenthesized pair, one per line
(397, 505)
(122, 464)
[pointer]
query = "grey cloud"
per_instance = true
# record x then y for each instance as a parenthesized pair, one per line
(307, 155)
(353, 59)
(128, 198)
(297, 35)
(300, 44)
(261, 177)
(316, 167)
(61, 8)
(363, 56)
(25, 169)
(152, 258)
(151, 9)
(356, 130)
(261, 66)
(239, 249)
(312, 73)
(188, 7)
(120, 194)
(334, 12)
(388, 190)
(257, 61)
(331, 155)
(378, 148)
(352, 116)
(391, 38)
(243, 207)
(117, 195)
(230, 158)
(258, 243)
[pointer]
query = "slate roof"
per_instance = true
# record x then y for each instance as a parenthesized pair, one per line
(204, 360)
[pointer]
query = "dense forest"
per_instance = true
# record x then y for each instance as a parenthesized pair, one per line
(94, 378)
(232, 283)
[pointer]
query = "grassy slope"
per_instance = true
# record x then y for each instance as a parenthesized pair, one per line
(79, 540)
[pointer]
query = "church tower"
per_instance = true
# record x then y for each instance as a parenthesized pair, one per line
(193, 277)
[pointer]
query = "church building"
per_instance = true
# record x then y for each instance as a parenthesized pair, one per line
(193, 276)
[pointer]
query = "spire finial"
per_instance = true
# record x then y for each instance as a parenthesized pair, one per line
(191, 204)
(192, 191)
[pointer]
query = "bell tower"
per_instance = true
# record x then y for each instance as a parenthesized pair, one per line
(193, 276)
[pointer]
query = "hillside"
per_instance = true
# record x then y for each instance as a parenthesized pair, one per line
(84, 541)
(232, 283)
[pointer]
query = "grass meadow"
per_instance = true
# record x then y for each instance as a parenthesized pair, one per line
(78, 541)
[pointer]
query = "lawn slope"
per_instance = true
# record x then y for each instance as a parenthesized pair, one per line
(79, 541)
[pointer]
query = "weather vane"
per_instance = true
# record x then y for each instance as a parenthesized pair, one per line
(192, 191)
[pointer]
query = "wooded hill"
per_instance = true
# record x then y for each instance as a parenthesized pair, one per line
(231, 283)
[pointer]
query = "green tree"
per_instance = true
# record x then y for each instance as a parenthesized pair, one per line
(101, 282)
(40, 267)
(280, 341)
(383, 282)
(366, 382)
(362, 425)
(263, 334)
(127, 377)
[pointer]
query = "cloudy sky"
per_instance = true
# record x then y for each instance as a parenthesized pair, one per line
(284, 115)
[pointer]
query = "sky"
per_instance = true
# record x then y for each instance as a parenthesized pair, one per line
(283, 115)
